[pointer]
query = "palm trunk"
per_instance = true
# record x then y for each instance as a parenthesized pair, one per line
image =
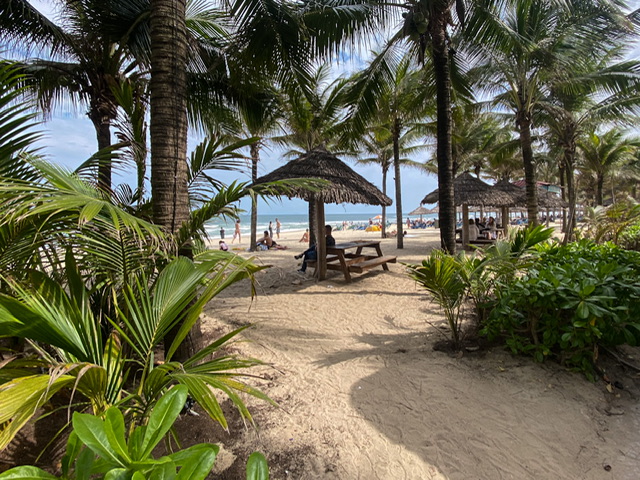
(102, 125)
(523, 120)
(255, 158)
(168, 128)
(396, 168)
(440, 52)
(563, 189)
(599, 189)
(313, 222)
(569, 156)
(384, 208)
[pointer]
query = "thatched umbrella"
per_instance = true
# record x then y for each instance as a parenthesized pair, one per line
(469, 190)
(546, 199)
(519, 196)
(420, 211)
(345, 186)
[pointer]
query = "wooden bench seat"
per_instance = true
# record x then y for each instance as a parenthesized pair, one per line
(479, 241)
(333, 262)
(372, 262)
(330, 258)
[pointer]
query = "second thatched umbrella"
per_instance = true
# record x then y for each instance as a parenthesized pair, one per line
(469, 190)
(344, 186)
(420, 211)
(546, 199)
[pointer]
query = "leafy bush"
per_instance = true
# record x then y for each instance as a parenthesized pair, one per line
(97, 448)
(452, 279)
(630, 237)
(611, 223)
(69, 349)
(572, 300)
(444, 277)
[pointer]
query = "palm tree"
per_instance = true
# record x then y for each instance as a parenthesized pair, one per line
(80, 63)
(260, 118)
(477, 136)
(426, 31)
(524, 45)
(311, 117)
(400, 100)
(378, 141)
(603, 153)
(595, 90)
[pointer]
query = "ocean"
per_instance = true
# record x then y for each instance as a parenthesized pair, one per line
(294, 222)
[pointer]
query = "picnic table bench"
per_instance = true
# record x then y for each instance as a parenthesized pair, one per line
(340, 258)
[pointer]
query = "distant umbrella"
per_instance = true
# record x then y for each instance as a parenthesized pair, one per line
(546, 199)
(421, 211)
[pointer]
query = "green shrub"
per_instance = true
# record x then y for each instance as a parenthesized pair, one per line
(97, 448)
(573, 300)
(445, 278)
(630, 237)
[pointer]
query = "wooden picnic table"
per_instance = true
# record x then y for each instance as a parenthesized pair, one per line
(348, 257)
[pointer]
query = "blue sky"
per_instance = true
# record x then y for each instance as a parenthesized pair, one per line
(70, 139)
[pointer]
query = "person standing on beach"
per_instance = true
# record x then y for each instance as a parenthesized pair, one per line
(237, 233)
(278, 225)
(271, 229)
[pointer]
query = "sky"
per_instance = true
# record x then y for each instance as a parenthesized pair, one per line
(69, 139)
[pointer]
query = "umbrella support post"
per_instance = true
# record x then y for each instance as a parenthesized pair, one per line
(465, 226)
(505, 221)
(321, 243)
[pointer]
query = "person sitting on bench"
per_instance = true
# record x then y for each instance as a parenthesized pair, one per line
(491, 230)
(311, 253)
(474, 232)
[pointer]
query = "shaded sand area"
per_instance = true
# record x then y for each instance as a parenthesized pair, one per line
(363, 394)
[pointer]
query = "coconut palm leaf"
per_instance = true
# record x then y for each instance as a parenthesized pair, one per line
(213, 154)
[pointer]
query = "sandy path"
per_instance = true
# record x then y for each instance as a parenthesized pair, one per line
(364, 395)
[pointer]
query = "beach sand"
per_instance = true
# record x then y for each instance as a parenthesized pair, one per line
(362, 394)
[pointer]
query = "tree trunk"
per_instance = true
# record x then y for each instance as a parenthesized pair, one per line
(313, 222)
(384, 208)
(563, 189)
(523, 121)
(102, 124)
(255, 158)
(599, 189)
(396, 168)
(168, 129)
(569, 156)
(440, 52)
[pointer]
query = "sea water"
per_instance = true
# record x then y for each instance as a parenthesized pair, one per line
(294, 222)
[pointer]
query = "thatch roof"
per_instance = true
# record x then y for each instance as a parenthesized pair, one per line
(546, 199)
(345, 185)
(470, 190)
(421, 211)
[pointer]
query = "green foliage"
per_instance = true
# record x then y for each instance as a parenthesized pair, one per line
(445, 278)
(614, 223)
(572, 300)
(630, 237)
(452, 279)
(98, 448)
(79, 354)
